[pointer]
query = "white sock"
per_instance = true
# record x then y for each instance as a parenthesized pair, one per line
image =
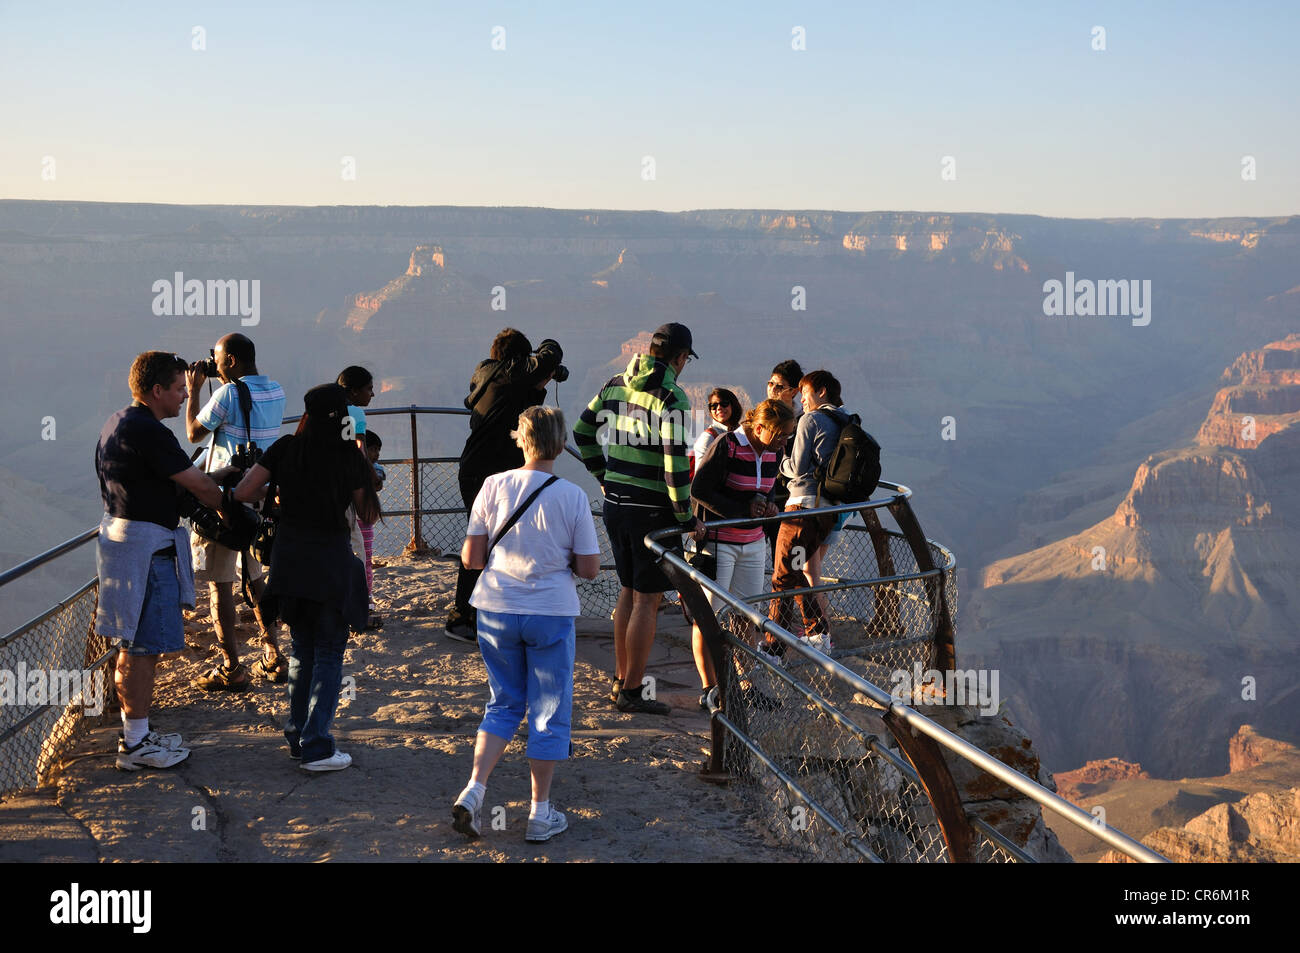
(134, 729)
(539, 809)
(474, 792)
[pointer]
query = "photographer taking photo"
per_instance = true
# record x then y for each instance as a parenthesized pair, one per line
(246, 409)
(512, 379)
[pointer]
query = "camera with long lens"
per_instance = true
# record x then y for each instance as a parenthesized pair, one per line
(208, 367)
(561, 374)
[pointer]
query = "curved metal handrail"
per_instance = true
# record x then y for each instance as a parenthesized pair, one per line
(655, 541)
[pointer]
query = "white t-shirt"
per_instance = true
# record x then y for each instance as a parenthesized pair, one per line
(528, 571)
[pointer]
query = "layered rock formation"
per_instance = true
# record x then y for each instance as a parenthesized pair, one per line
(1153, 626)
(1262, 827)
(1073, 785)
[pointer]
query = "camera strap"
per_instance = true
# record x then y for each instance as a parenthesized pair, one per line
(244, 397)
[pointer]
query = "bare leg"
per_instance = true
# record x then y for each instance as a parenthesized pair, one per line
(270, 633)
(487, 752)
(703, 661)
(221, 595)
(622, 615)
(134, 679)
(542, 772)
(640, 635)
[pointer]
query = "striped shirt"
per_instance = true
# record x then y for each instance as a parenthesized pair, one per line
(223, 416)
(727, 479)
(632, 438)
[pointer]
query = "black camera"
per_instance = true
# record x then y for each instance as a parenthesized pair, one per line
(207, 521)
(208, 367)
(245, 455)
(560, 374)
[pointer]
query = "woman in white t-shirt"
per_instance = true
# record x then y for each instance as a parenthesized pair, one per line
(526, 601)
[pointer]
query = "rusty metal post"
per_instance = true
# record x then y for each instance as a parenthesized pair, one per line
(944, 649)
(417, 546)
(697, 604)
(927, 758)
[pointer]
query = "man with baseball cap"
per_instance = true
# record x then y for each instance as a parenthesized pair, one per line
(642, 414)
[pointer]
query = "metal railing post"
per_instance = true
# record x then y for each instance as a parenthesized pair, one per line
(417, 546)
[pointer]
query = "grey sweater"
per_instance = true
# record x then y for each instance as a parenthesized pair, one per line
(814, 442)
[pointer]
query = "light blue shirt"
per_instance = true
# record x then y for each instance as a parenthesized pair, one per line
(223, 416)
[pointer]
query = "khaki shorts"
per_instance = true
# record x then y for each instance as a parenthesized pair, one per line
(215, 563)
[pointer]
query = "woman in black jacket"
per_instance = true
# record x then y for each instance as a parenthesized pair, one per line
(318, 585)
(510, 381)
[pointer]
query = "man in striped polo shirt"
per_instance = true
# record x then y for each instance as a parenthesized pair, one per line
(224, 419)
(632, 437)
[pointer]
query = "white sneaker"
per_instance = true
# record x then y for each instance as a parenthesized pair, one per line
(154, 738)
(148, 754)
(467, 815)
(335, 762)
(542, 829)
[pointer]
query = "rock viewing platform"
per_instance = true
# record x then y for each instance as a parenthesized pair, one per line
(631, 791)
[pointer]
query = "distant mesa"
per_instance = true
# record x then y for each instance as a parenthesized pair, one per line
(1263, 385)
(1216, 510)
(426, 256)
(1073, 785)
(1261, 827)
(933, 234)
(427, 261)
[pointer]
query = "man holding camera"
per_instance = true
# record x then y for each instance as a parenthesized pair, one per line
(143, 553)
(512, 379)
(233, 428)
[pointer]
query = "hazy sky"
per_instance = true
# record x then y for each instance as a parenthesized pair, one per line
(1035, 119)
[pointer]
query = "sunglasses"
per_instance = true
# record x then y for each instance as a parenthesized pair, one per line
(718, 406)
(778, 385)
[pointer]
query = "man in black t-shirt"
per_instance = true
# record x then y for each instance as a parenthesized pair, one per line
(511, 380)
(143, 553)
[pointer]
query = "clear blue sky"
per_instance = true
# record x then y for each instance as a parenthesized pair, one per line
(1036, 119)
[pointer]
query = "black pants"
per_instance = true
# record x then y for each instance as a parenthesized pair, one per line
(471, 481)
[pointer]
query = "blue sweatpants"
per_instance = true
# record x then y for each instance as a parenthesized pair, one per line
(529, 660)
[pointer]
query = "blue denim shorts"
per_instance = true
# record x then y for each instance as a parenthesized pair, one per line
(161, 628)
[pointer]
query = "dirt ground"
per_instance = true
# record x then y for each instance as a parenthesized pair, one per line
(632, 791)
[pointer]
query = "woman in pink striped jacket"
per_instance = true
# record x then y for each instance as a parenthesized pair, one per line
(734, 480)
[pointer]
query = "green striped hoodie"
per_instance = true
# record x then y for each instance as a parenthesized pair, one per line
(633, 434)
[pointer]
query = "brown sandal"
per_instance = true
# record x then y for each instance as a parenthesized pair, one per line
(222, 679)
(276, 672)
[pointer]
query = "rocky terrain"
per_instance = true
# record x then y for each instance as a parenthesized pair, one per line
(1249, 815)
(1167, 623)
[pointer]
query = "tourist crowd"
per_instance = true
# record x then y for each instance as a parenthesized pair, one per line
(291, 519)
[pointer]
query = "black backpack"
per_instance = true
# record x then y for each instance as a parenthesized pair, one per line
(851, 474)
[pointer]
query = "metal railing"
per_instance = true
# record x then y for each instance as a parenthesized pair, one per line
(838, 765)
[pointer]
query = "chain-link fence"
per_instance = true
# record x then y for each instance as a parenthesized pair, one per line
(53, 679)
(858, 797)
(817, 735)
